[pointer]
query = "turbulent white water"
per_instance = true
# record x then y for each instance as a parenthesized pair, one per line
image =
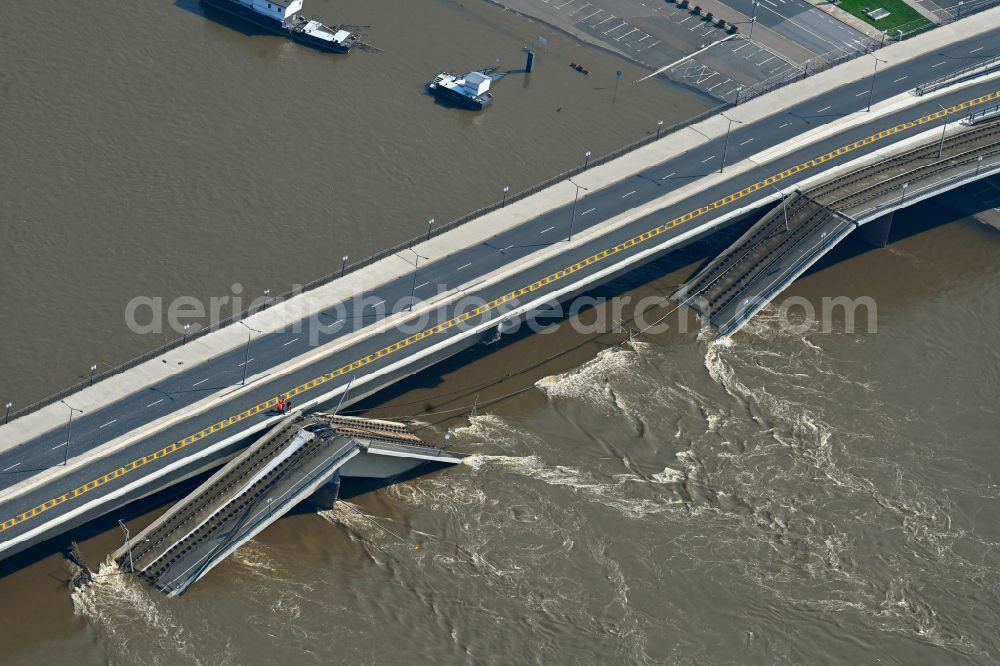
(761, 498)
(135, 624)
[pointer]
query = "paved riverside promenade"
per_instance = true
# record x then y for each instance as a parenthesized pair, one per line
(506, 221)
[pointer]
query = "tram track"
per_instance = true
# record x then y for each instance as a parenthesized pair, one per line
(812, 216)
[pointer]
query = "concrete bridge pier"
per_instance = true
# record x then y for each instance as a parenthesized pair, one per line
(326, 495)
(877, 231)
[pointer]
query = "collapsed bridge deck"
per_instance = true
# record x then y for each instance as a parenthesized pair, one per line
(728, 291)
(285, 467)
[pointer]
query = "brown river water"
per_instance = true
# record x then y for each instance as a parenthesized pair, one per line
(775, 497)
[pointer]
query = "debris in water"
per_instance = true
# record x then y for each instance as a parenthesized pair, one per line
(83, 575)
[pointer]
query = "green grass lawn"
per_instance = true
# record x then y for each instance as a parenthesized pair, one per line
(902, 15)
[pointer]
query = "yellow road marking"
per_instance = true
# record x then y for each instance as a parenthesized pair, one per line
(534, 286)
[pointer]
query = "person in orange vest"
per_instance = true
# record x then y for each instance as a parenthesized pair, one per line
(280, 406)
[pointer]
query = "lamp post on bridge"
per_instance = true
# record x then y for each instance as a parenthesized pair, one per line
(430, 225)
(871, 89)
(979, 163)
(725, 146)
(246, 358)
(69, 431)
(266, 292)
(659, 126)
(902, 196)
(586, 160)
(93, 367)
(6, 417)
(944, 128)
(572, 218)
(503, 202)
(413, 285)
(128, 545)
(784, 210)
(343, 395)
(185, 338)
(343, 265)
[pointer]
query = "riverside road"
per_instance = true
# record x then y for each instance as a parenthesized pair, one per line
(253, 405)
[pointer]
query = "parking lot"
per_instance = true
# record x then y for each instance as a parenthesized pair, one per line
(695, 49)
(670, 34)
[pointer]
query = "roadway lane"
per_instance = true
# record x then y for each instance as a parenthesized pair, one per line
(377, 351)
(93, 429)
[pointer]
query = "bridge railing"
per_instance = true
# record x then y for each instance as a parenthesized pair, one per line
(982, 114)
(959, 75)
(975, 172)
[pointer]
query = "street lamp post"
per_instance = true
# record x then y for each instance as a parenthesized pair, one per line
(725, 146)
(979, 163)
(572, 218)
(753, 17)
(784, 210)
(902, 195)
(246, 357)
(69, 431)
(871, 89)
(944, 128)
(430, 225)
(586, 160)
(128, 545)
(185, 338)
(413, 285)
(93, 367)
(503, 202)
(6, 417)
(343, 265)
(343, 395)
(266, 292)
(659, 126)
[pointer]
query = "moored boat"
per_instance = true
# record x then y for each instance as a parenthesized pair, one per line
(469, 91)
(282, 17)
(313, 33)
